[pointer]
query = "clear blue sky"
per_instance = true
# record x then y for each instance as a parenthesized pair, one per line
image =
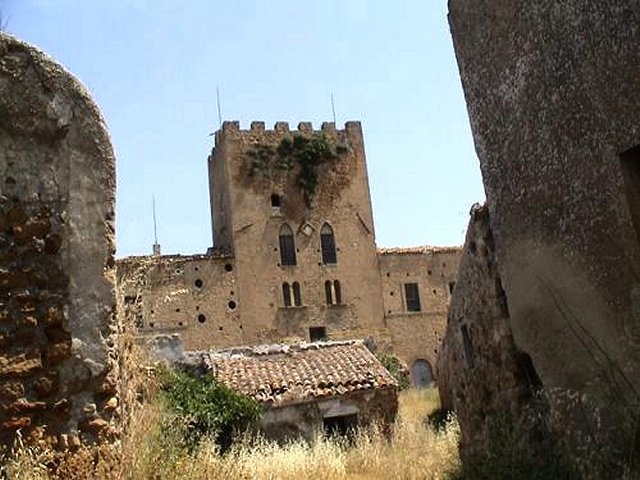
(153, 67)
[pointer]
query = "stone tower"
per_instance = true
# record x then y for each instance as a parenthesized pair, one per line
(293, 208)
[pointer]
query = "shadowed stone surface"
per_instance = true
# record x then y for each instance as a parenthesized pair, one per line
(57, 188)
(552, 94)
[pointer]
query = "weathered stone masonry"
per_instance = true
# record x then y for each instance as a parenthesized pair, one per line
(552, 93)
(57, 186)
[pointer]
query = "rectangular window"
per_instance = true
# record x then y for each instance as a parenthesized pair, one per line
(317, 334)
(630, 163)
(287, 250)
(412, 297)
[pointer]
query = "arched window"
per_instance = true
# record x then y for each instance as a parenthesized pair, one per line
(328, 291)
(328, 244)
(286, 294)
(297, 299)
(287, 246)
(337, 294)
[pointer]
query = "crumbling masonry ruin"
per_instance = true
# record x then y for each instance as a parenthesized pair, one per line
(58, 375)
(552, 93)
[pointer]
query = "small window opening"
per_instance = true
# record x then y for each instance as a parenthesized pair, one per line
(412, 297)
(202, 318)
(317, 334)
(286, 294)
(297, 298)
(630, 165)
(198, 283)
(275, 200)
(328, 292)
(228, 267)
(151, 324)
(221, 328)
(328, 245)
(467, 346)
(287, 246)
(177, 310)
(196, 269)
(337, 292)
(342, 426)
(232, 305)
(451, 286)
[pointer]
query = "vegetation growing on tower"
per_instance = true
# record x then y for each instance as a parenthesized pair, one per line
(304, 153)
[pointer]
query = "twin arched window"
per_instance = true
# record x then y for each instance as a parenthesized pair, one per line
(288, 245)
(286, 294)
(332, 292)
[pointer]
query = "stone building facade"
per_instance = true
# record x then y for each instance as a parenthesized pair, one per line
(294, 254)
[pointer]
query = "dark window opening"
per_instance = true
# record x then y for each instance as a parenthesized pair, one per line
(228, 267)
(630, 165)
(467, 346)
(177, 310)
(328, 245)
(196, 269)
(198, 283)
(287, 246)
(328, 292)
(343, 426)
(412, 297)
(337, 292)
(202, 318)
(221, 328)
(232, 305)
(286, 294)
(317, 334)
(451, 286)
(151, 325)
(297, 298)
(275, 200)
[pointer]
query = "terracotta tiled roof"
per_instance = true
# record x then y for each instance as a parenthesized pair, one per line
(424, 249)
(283, 374)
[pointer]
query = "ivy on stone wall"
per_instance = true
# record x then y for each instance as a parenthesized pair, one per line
(306, 153)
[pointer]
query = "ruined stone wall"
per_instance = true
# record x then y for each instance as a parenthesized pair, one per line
(341, 199)
(418, 335)
(57, 188)
(552, 93)
(193, 296)
(481, 372)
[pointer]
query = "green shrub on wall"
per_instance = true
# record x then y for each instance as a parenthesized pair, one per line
(206, 408)
(306, 152)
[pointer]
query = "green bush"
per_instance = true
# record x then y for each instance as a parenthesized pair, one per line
(206, 408)
(395, 367)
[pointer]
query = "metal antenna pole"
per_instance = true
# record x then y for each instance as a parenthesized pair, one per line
(333, 108)
(219, 111)
(155, 225)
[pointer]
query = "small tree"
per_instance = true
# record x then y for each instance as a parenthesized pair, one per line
(207, 408)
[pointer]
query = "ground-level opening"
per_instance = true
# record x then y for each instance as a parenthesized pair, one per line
(317, 334)
(421, 373)
(342, 425)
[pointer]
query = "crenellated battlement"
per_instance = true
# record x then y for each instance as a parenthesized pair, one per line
(283, 127)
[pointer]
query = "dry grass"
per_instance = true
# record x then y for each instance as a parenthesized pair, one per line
(415, 451)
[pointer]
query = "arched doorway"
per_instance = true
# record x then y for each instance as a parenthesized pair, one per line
(421, 374)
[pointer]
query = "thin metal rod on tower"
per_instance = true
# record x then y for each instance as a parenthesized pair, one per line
(155, 225)
(333, 108)
(219, 110)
